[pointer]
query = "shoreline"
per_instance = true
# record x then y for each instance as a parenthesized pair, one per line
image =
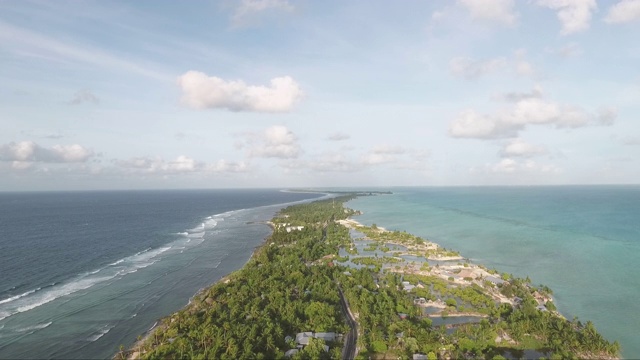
(477, 271)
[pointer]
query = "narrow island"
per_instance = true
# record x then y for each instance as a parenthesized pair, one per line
(324, 286)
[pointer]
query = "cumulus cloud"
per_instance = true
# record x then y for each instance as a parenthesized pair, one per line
(180, 165)
(389, 156)
(338, 136)
(523, 112)
(399, 156)
(536, 93)
(470, 69)
(377, 159)
(521, 65)
(511, 166)
(274, 142)
(158, 165)
(333, 162)
(228, 166)
(623, 12)
(247, 9)
(29, 151)
(575, 15)
(83, 97)
(520, 148)
(498, 11)
(21, 165)
(201, 91)
(607, 115)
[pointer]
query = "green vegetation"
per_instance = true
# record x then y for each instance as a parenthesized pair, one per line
(291, 286)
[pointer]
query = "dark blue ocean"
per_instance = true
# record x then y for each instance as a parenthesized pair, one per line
(82, 273)
(582, 241)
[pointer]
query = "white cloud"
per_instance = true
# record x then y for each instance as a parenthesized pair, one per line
(84, 96)
(377, 159)
(29, 151)
(513, 167)
(338, 136)
(472, 69)
(499, 11)
(389, 156)
(526, 111)
(607, 115)
(536, 93)
(333, 162)
(624, 11)
(226, 166)
(70, 153)
(180, 165)
(520, 148)
(274, 142)
(157, 165)
(521, 65)
(504, 166)
(397, 156)
(389, 149)
(21, 165)
(566, 51)
(575, 15)
(204, 92)
(250, 8)
(470, 124)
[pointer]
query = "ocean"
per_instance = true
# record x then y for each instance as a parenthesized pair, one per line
(581, 241)
(82, 273)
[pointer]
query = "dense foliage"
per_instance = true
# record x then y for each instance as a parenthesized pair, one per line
(291, 284)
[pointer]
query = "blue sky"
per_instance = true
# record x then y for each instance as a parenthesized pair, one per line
(284, 93)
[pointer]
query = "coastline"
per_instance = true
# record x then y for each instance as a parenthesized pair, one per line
(350, 223)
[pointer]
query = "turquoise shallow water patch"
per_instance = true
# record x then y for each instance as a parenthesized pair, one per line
(582, 241)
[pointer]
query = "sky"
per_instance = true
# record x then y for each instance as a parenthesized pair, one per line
(282, 93)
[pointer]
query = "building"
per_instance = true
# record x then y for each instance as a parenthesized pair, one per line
(494, 280)
(290, 353)
(303, 337)
(326, 336)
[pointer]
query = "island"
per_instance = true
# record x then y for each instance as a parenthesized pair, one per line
(324, 286)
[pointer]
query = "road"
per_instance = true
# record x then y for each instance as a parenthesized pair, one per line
(350, 341)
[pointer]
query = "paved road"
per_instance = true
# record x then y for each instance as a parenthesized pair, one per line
(350, 341)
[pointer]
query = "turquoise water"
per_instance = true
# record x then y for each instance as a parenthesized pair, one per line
(582, 241)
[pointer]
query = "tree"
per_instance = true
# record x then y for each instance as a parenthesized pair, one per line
(451, 302)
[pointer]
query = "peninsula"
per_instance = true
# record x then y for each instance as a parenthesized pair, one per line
(325, 286)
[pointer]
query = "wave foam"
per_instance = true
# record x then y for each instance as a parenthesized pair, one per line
(40, 296)
(33, 327)
(18, 296)
(100, 333)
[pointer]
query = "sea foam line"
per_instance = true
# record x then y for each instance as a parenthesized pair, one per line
(33, 327)
(18, 296)
(38, 297)
(142, 259)
(100, 333)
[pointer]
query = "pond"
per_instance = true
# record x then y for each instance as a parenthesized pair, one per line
(455, 320)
